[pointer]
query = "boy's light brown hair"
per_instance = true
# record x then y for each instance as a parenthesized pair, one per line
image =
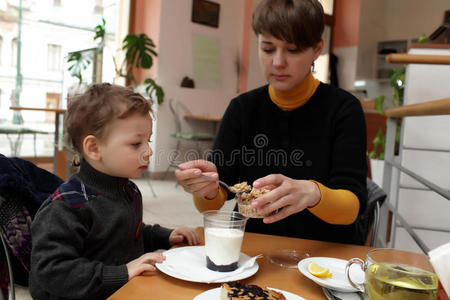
(300, 22)
(90, 112)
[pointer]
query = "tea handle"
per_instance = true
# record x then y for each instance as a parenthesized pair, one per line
(362, 264)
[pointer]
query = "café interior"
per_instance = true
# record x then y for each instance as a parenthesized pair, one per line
(393, 55)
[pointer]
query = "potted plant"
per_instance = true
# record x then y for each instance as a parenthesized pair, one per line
(139, 53)
(376, 155)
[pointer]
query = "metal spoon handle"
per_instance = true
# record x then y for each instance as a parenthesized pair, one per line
(207, 177)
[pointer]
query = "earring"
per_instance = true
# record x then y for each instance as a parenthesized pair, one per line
(312, 68)
(76, 160)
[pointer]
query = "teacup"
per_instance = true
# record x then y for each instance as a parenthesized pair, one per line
(395, 274)
(224, 232)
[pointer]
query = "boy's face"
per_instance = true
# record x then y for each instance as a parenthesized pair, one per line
(285, 67)
(125, 150)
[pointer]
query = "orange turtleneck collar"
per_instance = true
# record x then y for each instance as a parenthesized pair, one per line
(298, 96)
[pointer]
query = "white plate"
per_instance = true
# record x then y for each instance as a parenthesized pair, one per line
(215, 294)
(195, 266)
(336, 266)
(332, 295)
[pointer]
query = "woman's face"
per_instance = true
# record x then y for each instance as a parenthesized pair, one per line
(283, 65)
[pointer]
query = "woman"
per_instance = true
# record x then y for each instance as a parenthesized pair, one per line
(302, 139)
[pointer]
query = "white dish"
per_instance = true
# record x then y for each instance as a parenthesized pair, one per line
(215, 294)
(333, 295)
(192, 266)
(336, 266)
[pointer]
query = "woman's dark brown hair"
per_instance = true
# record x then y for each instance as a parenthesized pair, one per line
(90, 112)
(300, 22)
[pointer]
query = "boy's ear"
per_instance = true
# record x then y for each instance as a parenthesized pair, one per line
(91, 147)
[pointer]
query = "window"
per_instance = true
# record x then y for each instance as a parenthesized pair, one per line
(54, 57)
(14, 52)
(98, 9)
(328, 6)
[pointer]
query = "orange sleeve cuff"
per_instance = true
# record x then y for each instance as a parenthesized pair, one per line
(202, 204)
(339, 207)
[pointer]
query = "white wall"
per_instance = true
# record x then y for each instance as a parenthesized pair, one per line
(412, 18)
(346, 66)
(255, 75)
(175, 62)
(371, 30)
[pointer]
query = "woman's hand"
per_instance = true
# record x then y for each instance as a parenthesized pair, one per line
(287, 195)
(181, 234)
(144, 264)
(189, 177)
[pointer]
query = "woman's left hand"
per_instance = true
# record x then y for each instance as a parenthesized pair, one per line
(287, 195)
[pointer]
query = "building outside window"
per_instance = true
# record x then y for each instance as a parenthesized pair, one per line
(98, 9)
(50, 30)
(54, 57)
(1, 48)
(14, 52)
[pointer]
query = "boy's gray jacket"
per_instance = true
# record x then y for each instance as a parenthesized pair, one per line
(85, 233)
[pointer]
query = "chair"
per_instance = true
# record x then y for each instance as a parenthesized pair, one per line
(176, 108)
(19, 130)
(10, 272)
(23, 188)
(368, 221)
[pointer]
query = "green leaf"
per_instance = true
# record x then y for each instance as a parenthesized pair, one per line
(153, 87)
(139, 50)
(100, 32)
(397, 81)
(379, 102)
(423, 39)
(78, 63)
(379, 143)
(397, 134)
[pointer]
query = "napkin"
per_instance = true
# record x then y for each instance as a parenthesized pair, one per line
(190, 263)
(440, 259)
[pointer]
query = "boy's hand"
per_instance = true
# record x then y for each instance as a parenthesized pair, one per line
(184, 233)
(144, 264)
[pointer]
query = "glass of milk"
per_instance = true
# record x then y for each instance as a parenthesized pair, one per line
(224, 231)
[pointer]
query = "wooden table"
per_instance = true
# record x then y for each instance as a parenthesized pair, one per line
(162, 286)
(59, 167)
(203, 118)
(214, 119)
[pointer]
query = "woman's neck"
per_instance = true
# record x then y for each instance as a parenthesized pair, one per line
(296, 97)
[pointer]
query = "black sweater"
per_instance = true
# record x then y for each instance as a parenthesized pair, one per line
(86, 233)
(323, 140)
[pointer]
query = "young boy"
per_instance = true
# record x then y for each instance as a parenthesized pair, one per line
(88, 237)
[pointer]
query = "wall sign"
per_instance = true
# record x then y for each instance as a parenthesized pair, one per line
(205, 12)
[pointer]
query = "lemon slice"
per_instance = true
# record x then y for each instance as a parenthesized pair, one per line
(318, 271)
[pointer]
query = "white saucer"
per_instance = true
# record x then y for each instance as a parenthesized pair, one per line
(336, 266)
(215, 294)
(189, 263)
(333, 295)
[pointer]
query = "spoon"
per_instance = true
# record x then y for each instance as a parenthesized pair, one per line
(210, 178)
